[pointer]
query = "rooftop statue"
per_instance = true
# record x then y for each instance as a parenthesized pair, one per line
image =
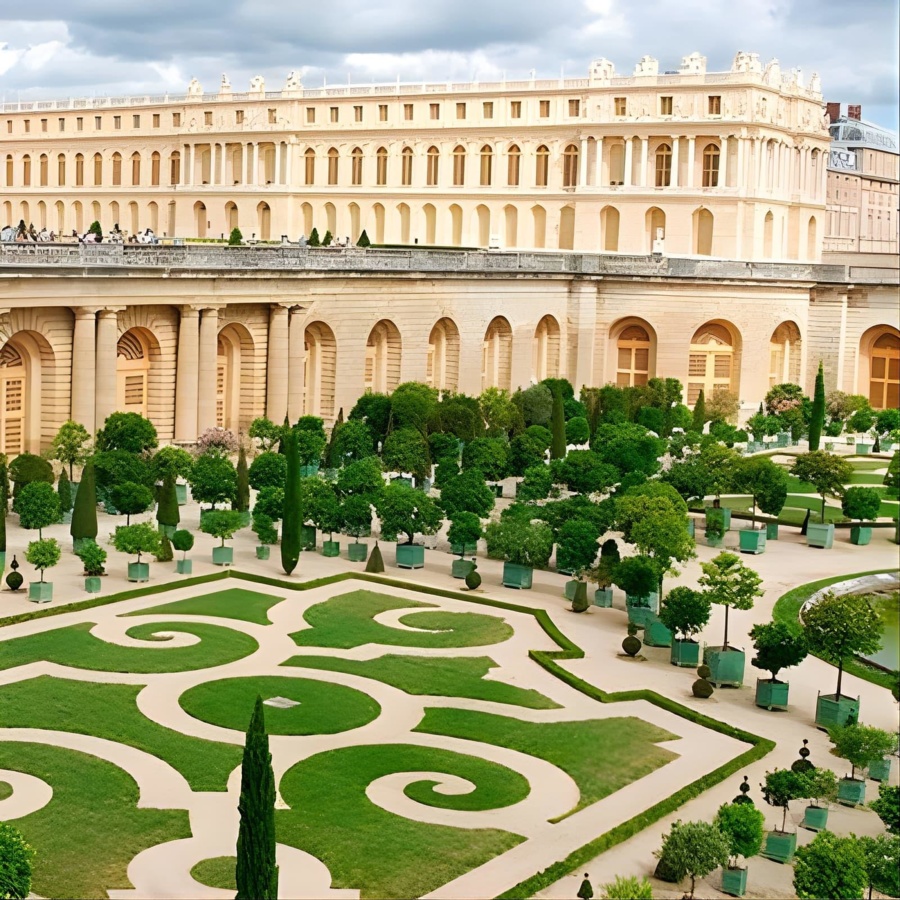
(194, 89)
(772, 74)
(257, 85)
(746, 62)
(647, 66)
(225, 86)
(293, 82)
(694, 64)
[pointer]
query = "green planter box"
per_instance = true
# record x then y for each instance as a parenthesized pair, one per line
(167, 530)
(307, 537)
(716, 541)
(726, 665)
(410, 556)
(516, 576)
(691, 527)
(780, 846)
(184, 567)
(771, 694)
(656, 634)
(245, 518)
(40, 591)
(886, 447)
(92, 584)
(331, 548)
(815, 818)
(223, 556)
(685, 654)
(650, 601)
(309, 471)
(752, 540)
(783, 439)
(138, 571)
(571, 587)
(880, 770)
(603, 597)
(851, 792)
(864, 449)
(734, 882)
(820, 535)
(263, 551)
(860, 535)
(724, 511)
(771, 531)
(459, 568)
(640, 616)
(181, 494)
(832, 711)
(464, 549)
(357, 552)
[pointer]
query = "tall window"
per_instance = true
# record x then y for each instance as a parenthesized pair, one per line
(332, 166)
(513, 159)
(459, 166)
(135, 168)
(541, 166)
(117, 169)
(433, 166)
(570, 166)
(381, 161)
(175, 168)
(715, 105)
(711, 362)
(45, 169)
(710, 166)
(663, 165)
(406, 165)
(12, 400)
(784, 355)
(665, 106)
(98, 169)
(487, 158)
(309, 163)
(79, 170)
(26, 171)
(154, 169)
(356, 162)
(633, 357)
(61, 169)
(9, 170)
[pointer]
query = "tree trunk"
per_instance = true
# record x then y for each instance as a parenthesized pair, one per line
(840, 677)
(725, 644)
(823, 509)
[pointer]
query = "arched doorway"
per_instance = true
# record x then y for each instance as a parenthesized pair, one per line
(13, 383)
(634, 353)
(231, 216)
(24, 359)
(234, 377)
(133, 371)
(456, 223)
(703, 232)
(609, 229)
(321, 370)
(539, 217)
(496, 367)
(714, 361)
(442, 366)
(200, 217)
(880, 367)
(383, 356)
(484, 225)
(656, 226)
(430, 223)
(784, 355)
(545, 349)
(567, 228)
(264, 221)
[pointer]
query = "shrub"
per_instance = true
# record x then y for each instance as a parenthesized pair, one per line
(742, 824)
(183, 541)
(777, 647)
(535, 404)
(882, 856)
(138, 539)
(235, 239)
(213, 479)
(167, 509)
(465, 528)
(638, 576)
(70, 445)
(521, 542)
(217, 440)
(172, 461)
(131, 499)
(222, 523)
(264, 528)
(127, 431)
(38, 506)
(352, 441)
(630, 888)
(43, 554)
(467, 492)
(577, 431)
(861, 504)
(693, 849)
(363, 240)
(64, 492)
(536, 484)
(270, 502)
(25, 469)
(576, 547)
(830, 866)
(887, 807)
(112, 467)
(84, 514)
(488, 455)
(16, 860)
(584, 472)
(164, 553)
(405, 511)
(268, 470)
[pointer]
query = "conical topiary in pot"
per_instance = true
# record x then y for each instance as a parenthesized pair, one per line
(632, 644)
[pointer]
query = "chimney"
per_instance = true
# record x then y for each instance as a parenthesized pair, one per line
(833, 110)
(854, 112)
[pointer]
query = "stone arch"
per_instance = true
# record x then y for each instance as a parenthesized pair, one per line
(632, 352)
(200, 219)
(483, 215)
(655, 220)
(234, 377)
(496, 368)
(133, 220)
(456, 224)
(114, 212)
(78, 214)
(306, 216)
(511, 225)
(703, 232)
(353, 211)
(41, 215)
(714, 363)
(567, 228)
(879, 366)
(25, 358)
(811, 238)
(383, 358)
(609, 229)
(539, 219)
(330, 219)
(785, 348)
(60, 217)
(768, 230)
(545, 355)
(320, 370)
(405, 219)
(231, 216)
(153, 212)
(378, 210)
(442, 367)
(264, 221)
(430, 223)
(136, 350)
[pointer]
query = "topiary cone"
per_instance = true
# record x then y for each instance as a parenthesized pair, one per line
(376, 562)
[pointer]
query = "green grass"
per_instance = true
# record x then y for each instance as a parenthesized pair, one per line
(347, 621)
(794, 511)
(376, 852)
(861, 464)
(5, 790)
(866, 479)
(76, 647)
(796, 486)
(233, 603)
(434, 677)
(217, 872)
(91, 829)
(324, 708)
(110, 711)
(601, 755)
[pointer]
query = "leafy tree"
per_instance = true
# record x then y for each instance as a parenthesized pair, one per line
(693, 849)
(70, 446)
(628, 447)
(465, 529)
(535, 403)
(861, 504)
(825, 472)
(576, 547)
(217, 440)
(290, 529)
(222, 523)
(183, 541)
(319, 505)
(892, 476)
(577, 431)
(886, 421)
(131, 499)
(375, 411)
(830, 866)
(43, 553)
(172, 461)
(127, 431)
(16, 861)
(84, 514)
(213, 479)
(235, 239)
(357, 516)
(766, 483)
(521, 542)
(460, 416)
(93, 558)
(882, 855)
(327, 240)
(412, 405)
(266, 433)
(861, 745)
(887, 806)
(264, 528)
(584, 472)
(730, 583)
(817, 415)
(685, 611)
(406, 450)
(698, 418)
(310, 445)
(630, 888)
(743, 825)
(38, 506)
(525, 452)
(536, 484)
(363, 477)
(363, 240)
(467, 492)
(541, 435)
(96, 228)
(270, 501)
(256, 873)
(268, 470)
(64, 492)
(138, 539)
(782, 786)
(838, 628)
(314, 240)
(558, 428)
(500, 414)
(777, 647)
(404, 510)
(242, 491)
(351, 441)
(25, 469)
(862, 419)
(113, 467)
(490, 456)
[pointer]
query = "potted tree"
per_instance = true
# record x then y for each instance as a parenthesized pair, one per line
(213, 480)
(604, 572)
(264, 528)
(84, 513)
(93, 558)
(838, 628)
(638, 576)
(861, 504)
(319, 506)
(464, 532)
(43, 554)
(821, 789)
(222, 523)
(715, 526)
(357, 522)
(38, 506)
(524, 546)
(693, 850)
(311, 443)
(167, 514)
(860, 745)
(175, 462)
(576, 552)
(183, 541)
(490, 456)
(827, 474)
(729, 583)
(138, 539)
(779, 788)
(743, 825)
(71, 446)
(131, 499)
(777, 648)
(685, 612)
(405, 511)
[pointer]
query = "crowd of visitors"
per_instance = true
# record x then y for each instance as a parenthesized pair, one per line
(25, 234)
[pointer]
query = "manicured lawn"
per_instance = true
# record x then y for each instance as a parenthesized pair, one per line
(348, 621)
(5, 790)
(794, 511)
(91, 829)
(217, 872)
(110, 711)
(234, 603)
(866, 478)
(433, 676)
(75, 646)
(377, 852)
(601, 755)
(864, 464)
(324, 708)
(796, 486)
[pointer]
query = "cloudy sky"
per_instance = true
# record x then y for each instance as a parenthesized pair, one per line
(97, 47)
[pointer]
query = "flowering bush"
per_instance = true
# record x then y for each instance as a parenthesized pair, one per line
(220, 440)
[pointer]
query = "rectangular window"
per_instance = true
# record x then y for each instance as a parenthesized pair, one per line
(62, 124)
(545, 109)
(487, 110)
(272, 118)
(176, 120)
(357, 114)
(621, 106)
(434, 110)
(207, 117)
(382, 112)
(460, 110)
(135, 121)
(310, 115)
(715, 106)
(27, 124)
(117, 123)
(79, 123)
(9, 126)
(333, 114)
(407, 112)
(574, 108)
(515, 109)
(665, 106)
(238, 117)
(156, 120)
(43, 124)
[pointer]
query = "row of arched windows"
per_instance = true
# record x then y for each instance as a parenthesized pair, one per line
(94, 165)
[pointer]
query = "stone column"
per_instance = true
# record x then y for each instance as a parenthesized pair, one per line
(213, 162)
(248, 164)
(740, 164)
(297, 364)
(598, 179)
(673, 181)
(645, 152)
(583, 164)
(289, 168)
(629, 161)
(723, 163)
(84, 362)
(105, 371)
(189, 164)
(692, 148)
(277, 365)
(277, 178)
(206, 370)
(255, 164)
(186, 375)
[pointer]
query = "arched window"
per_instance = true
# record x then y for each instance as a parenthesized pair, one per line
(570, 166)
(200, 220)
(321, 368)
(406, 166)
(117, 169)
(539, 220)
(135, 168)
(711, 166)
(483, 215)
(309, 158)
(26, 170)
(132, 372)
(633, 357)
(656, 226)
(45, 170)
(459, 166)
(511, 226)
(609, 228)
(154, 169)
(496, 366)
(9, 170)
(442, 364)
(784, 355)
(381, 164)
(356, 164)
(487, 159)
(383, 358)
(61, 170)
(234, 361)
(545, 349)
(711, 366)
(768, 229)
(332, 166)
(541, 166)
(175, 168)
(432, 172)
(811, 229)
(663, 165)
(703, 232)
(513, 160)
(456, 224)
(264, 221)
(430, 223)
(404, 212)
(884, 371)
(13, 391)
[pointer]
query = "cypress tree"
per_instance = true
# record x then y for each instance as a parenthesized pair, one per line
(313, 240)
(4, 501)
(330, 460)
(699, 419)
(817, 415)
(242, 498)
(558, 427)
(364, 240)
(290, 519)
(255, 872)
(84, 516)
(167, 508)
